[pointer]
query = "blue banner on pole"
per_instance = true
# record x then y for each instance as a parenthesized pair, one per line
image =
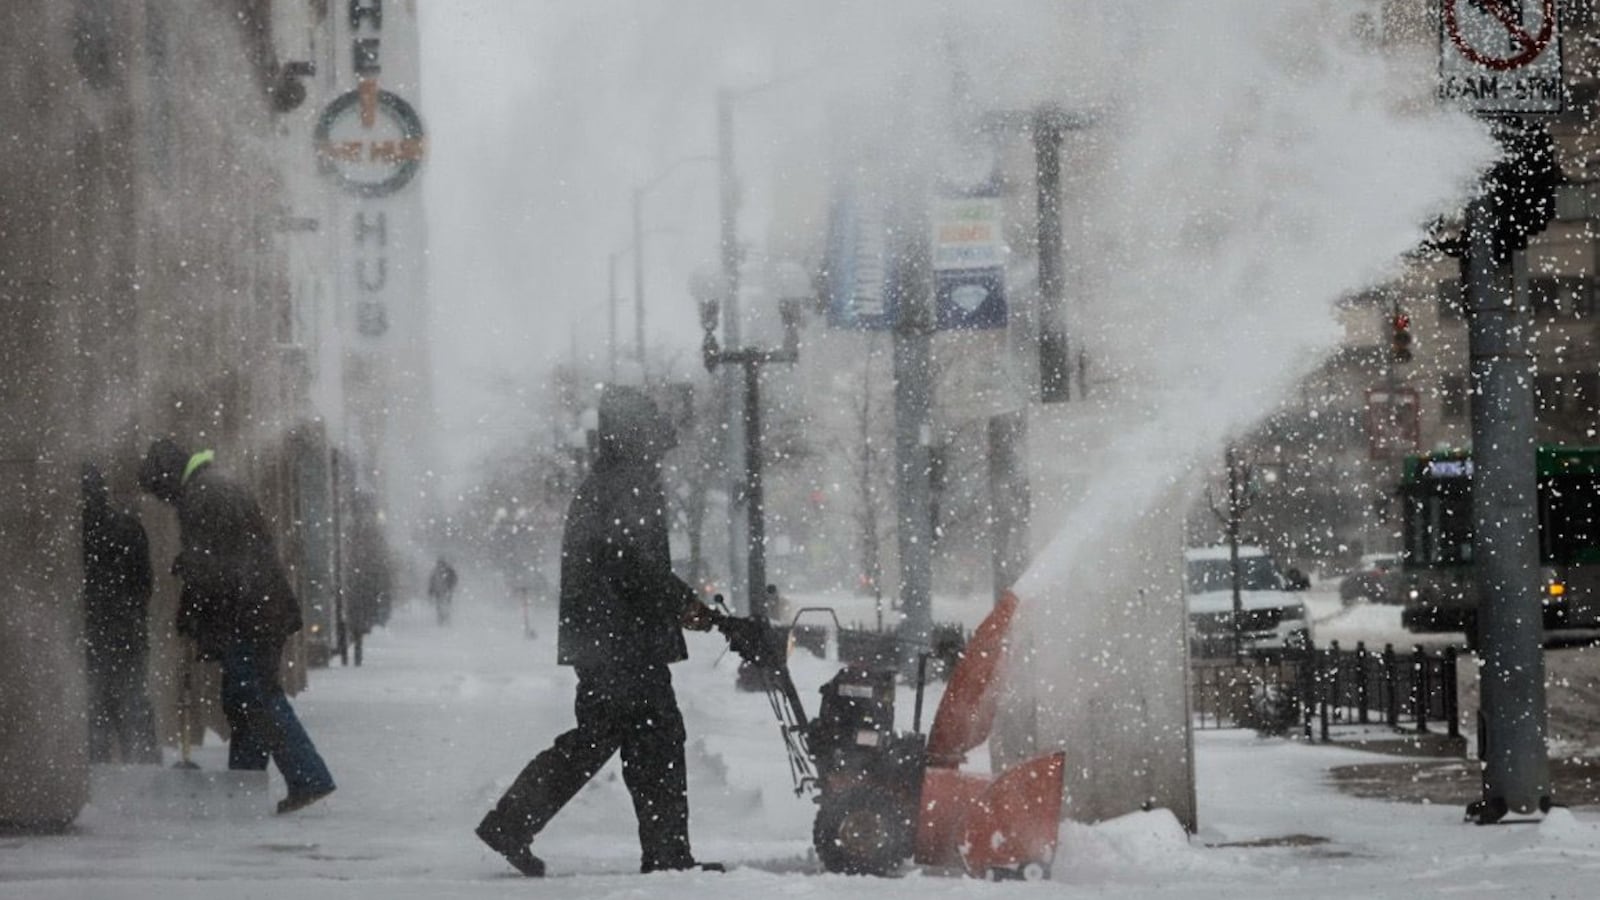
(858, 268)
(970, 298)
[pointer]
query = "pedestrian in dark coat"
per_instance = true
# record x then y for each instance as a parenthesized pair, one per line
(238, 606)
(116, 604)
(442, 589)
(621, 618)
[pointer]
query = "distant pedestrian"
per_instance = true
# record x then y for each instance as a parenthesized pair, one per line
(442, 589)
(621, 614)
(116, 604)
(238, 606)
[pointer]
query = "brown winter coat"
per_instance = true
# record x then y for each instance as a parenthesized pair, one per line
(234, 587)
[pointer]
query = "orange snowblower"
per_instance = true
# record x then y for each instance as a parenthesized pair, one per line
(884, 796)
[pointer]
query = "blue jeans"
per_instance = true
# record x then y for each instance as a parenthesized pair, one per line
(263, 722)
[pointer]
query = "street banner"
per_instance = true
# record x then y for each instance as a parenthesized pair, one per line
(968, 259)
(1500, 56)
(966, 234)
(858, 268)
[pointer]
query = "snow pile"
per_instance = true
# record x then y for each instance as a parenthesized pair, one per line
(1140, 843)
(1562, 830)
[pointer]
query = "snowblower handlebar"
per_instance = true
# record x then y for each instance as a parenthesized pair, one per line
(764, 649)
(755, 641)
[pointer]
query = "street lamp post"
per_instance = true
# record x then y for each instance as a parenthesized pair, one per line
(751, 359)
(731, 257)
(611, 312)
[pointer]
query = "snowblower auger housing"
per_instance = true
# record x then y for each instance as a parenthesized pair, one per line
(885, 796)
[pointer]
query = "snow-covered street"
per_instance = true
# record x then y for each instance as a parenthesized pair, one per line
(425, 735)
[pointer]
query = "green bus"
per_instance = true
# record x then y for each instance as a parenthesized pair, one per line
(1438, 585)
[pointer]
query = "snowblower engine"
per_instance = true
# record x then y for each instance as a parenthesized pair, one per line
(868, 776)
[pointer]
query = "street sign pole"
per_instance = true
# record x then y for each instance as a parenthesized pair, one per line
(913, 406)
(1502, 58)
(1512, 715)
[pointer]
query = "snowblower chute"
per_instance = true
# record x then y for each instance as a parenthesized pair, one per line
(884, 796)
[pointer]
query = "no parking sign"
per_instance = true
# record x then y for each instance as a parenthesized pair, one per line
(1500, 56)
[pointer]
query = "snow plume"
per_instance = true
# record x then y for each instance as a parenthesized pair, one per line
(1255, 163)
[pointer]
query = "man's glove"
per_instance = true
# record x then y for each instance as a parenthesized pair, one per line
(697, 616)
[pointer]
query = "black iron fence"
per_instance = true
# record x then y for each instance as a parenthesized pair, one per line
(1313, 689)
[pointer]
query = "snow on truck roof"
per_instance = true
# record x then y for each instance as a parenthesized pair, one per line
(1221, 552)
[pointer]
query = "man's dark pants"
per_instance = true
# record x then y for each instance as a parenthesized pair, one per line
(264, 724)
(632, 710)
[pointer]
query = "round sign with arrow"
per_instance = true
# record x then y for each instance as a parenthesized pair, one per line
(1504, 23)
(1501, 56)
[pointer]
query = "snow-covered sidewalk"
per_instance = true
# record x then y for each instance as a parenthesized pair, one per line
(427, 733)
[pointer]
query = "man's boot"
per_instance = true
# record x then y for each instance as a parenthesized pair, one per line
(516, 852)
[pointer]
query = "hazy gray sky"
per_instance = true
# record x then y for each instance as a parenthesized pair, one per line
(543, 115)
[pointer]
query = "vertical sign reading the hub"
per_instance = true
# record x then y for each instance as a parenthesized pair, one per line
(370, 146)
(370, 143)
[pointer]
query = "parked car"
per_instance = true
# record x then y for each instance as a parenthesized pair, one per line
(1273, 615)
(1376, 579)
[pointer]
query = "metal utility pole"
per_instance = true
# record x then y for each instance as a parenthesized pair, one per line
(911, 284)
(638, 280)
(751, 359)
(1009, 492)
(1511, 726)
(1008, 434)
(734, 413)
(611, 311)
(1518, 201)
(1009, 498)
(913, 402)
(1054, 382)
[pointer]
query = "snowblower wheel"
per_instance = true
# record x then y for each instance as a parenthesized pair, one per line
(863, 831)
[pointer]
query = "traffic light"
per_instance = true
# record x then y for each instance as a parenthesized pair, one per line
(1400, 338)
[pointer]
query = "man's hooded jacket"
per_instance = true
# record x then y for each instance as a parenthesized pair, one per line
(621, 604)
(234, 587)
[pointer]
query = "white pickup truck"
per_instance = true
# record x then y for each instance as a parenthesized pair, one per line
(1273, 615)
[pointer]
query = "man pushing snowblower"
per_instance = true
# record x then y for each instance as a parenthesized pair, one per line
(622, 612)
(883, 796)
